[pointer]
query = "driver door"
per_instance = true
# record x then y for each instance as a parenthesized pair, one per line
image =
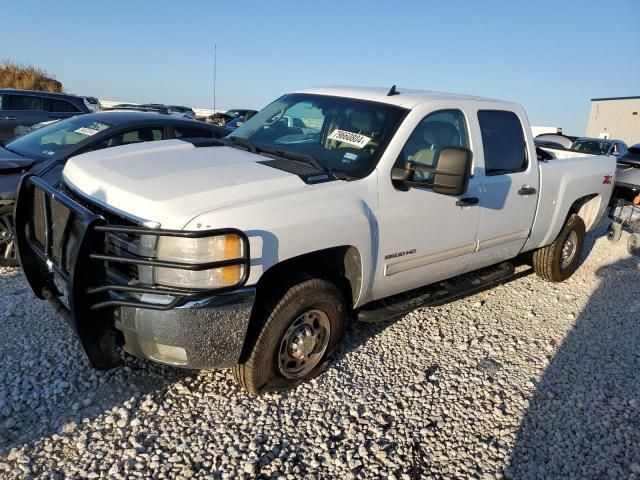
(424, 236)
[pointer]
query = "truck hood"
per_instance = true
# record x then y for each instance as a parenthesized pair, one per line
(170, 182)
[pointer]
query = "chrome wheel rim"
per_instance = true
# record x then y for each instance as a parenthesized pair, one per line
(304, 344)
(7, 237)
(569, 249)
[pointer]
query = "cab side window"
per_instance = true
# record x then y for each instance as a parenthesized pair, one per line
(438, 130)
(502, 141)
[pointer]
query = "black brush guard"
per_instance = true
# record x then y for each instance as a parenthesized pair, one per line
(60, 239)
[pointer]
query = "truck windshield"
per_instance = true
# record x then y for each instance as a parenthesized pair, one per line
(342, 135)
(57, 138)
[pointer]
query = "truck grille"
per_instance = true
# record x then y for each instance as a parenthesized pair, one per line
(104, 260)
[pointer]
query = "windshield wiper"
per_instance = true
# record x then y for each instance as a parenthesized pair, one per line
(244, 142)
(305, 157)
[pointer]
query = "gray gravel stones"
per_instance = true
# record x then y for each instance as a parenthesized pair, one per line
(528, 380)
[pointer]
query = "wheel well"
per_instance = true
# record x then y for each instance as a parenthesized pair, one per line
(340, 265)
(586, 208)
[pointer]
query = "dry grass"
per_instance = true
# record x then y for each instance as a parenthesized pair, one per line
(28, 77)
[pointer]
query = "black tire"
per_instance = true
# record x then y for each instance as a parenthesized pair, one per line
(262, 370)
(633, 244)
(548, 261)
(614, 232)
(8, 252)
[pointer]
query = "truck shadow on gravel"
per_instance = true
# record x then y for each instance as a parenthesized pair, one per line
(69, 394)
(583, 421)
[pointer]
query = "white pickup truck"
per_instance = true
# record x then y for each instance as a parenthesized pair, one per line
(330, 204)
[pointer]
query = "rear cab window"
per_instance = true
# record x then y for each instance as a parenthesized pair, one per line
(503, 142)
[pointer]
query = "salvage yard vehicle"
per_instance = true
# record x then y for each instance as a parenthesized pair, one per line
(45, 151)
(599, 146)
(23, 108)
(222, 118)
(625, 204)
(252, 252)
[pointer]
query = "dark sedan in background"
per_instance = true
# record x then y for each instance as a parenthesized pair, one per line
(45, 151)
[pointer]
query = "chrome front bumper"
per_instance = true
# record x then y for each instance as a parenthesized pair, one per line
(207, 333)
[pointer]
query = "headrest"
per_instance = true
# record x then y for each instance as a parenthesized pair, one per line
(362, 120)
(145, 135)
(440, 133)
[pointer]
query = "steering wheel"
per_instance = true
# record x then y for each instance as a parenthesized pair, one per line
(275, 118)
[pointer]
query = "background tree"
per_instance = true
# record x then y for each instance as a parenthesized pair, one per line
(29, 77)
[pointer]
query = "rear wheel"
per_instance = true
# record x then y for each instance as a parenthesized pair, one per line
(301, 329)
(8, 256)
(614, 232)
(558, 261)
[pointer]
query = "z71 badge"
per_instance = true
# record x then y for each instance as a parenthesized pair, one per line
(400, 254)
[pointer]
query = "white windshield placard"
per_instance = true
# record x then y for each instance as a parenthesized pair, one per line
(86, 131)
(355, 139)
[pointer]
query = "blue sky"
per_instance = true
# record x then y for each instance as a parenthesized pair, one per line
(550, 56)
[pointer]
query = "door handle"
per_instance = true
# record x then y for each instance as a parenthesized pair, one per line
(9, 118)
(527, 190)
(467, 201)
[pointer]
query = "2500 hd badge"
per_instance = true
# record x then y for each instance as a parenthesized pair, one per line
(400, 254)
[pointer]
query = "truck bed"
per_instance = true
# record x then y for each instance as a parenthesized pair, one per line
(563, 179)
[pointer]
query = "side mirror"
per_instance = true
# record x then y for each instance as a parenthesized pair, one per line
(451, 172)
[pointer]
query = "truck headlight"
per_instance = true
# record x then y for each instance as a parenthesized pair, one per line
(198, 251)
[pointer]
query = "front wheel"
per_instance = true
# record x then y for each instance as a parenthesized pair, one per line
(633, 244)
(558, 261)
(8, 256)
(614, 232)
(301, 329)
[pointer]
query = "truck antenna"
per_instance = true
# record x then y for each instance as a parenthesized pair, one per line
(393, 91)
(215, 64)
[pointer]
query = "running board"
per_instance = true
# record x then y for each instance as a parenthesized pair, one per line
(439, 293)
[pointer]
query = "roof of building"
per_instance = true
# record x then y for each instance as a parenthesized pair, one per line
(615, 98)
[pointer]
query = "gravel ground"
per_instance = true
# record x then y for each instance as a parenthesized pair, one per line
(528, 380)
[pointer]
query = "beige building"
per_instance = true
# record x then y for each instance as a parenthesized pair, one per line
(615, 118)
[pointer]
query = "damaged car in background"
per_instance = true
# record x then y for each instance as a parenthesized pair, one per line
(44, 152)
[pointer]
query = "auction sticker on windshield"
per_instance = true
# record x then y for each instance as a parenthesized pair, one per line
(91, 129)
(355, 139)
